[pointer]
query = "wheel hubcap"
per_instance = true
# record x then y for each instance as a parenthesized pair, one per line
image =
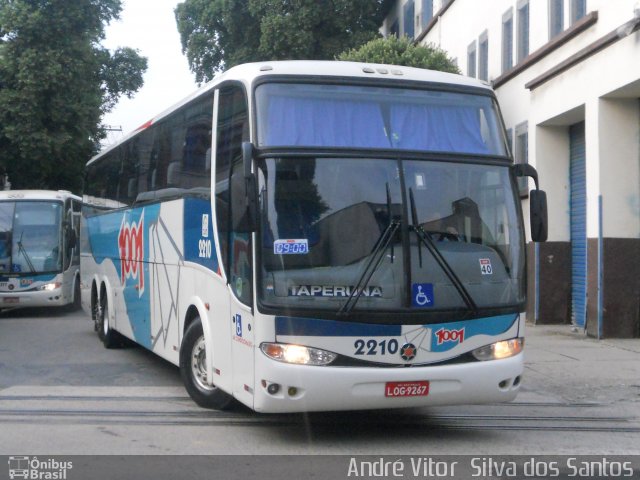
(105, 320)
(199, 365)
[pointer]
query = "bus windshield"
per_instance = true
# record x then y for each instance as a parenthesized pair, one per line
(452, 233)
(313, 115)
(30, 237)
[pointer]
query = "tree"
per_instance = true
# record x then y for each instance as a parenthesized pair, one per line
(218, 34)
(56, 82)
(402, 51)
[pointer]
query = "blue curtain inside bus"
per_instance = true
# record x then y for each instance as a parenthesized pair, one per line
(437, 128)
(313, 122)
(325, 123)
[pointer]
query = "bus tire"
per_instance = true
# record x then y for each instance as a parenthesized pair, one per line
(109, 337)
(77, 300)
(194, 372)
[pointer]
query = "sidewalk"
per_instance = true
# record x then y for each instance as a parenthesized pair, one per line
(569, 366)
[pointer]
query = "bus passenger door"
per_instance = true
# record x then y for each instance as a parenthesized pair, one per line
(242, 346)
(241, 289)
(232, 128)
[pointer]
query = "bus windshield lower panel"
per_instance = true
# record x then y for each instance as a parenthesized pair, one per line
(336, 234)
(30, 237)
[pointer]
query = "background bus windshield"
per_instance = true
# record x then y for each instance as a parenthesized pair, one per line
(30, 237)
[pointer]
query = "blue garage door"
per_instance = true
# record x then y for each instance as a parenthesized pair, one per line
(578, 208)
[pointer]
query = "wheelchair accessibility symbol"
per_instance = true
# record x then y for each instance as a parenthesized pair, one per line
(422, 295)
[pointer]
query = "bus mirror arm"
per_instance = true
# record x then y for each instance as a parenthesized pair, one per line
(526, 170)
(247, 157)
(248, 152)
(252, 202)
(537, 203)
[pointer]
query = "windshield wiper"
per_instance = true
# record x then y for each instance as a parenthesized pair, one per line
(22, 250)
(428, 242)
(375, 258)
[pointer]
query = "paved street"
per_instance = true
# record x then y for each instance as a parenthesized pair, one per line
(62, 393)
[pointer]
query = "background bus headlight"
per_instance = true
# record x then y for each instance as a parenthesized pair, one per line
(498, 350)
(50, 286)
(297, 354)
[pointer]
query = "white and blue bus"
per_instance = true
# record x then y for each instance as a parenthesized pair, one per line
(305, 236)
(39, 251)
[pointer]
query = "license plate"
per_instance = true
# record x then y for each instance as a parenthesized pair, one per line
(406, 389)
(11, 299)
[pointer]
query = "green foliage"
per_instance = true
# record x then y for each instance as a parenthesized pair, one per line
(215, 33)
(402, 51)
(56, 82)
(218, 34)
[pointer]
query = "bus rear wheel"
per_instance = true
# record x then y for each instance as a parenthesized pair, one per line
(109, 337)
(193, 370)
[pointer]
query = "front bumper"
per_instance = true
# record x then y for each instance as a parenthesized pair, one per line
(313, 388)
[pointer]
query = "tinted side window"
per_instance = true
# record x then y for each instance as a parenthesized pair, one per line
(102, 181)
(232, 130)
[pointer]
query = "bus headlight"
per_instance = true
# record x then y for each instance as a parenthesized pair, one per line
(498, 350)
(50, 286)
(297, 354)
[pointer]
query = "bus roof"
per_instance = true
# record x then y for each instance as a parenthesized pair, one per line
(249, 72)
(14, 195)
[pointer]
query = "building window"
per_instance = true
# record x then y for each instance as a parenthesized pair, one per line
(408, 19)
(578, 10)
(510, 139)
(521, 155)
(427, 13)
(483, 57)
(523, 30)
(394, 31)
(471, 60)
(556, 17)
(507, 40)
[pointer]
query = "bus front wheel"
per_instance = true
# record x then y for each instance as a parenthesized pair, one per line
(193, 370)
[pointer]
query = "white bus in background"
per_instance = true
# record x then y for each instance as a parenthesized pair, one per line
(304, 236)
(39, 249)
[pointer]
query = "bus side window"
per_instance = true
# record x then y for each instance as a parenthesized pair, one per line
(232, 130)
(101, 188)
(128, 189)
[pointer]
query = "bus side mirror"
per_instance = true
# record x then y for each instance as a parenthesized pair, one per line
(538, 215)
(537, 203)
(72, 238)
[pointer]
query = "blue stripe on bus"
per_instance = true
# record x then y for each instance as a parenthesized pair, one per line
(490, 326)
(310, 327)
(199, 246)
(36, 277)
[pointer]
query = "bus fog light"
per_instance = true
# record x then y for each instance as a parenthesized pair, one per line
(498, 350)
(297, 354)
(273, 388)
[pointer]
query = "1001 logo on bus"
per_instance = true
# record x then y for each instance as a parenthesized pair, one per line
(131, 248)
(446, 335)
